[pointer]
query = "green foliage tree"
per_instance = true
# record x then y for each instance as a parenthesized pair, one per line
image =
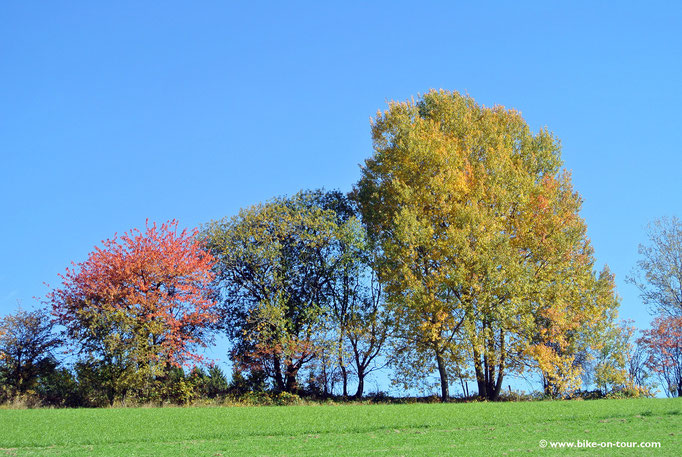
(57, 386)
(211, 383)
(27, 350)
(483, 255)
(275, 263)
(215, 384)
(102, 380)
(295, 277)
(356, 315)
(244, 382)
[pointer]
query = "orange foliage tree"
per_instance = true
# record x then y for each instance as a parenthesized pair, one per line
(663, 345)
(139, 305)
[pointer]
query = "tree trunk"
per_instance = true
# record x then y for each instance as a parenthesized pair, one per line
(361, 386)
(444, 385)
(482, 389)
(500, 369)
(465, 392)
(342, 363)
(291, 383)
(279, 382)
(546, 386)
(111, 395)
(325, 380)
(344, 379)
(498, 386)
(489, 385)
(480, 375)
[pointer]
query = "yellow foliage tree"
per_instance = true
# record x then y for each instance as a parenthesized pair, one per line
(484, 257)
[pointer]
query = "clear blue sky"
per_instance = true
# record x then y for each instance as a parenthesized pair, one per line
(114, 112)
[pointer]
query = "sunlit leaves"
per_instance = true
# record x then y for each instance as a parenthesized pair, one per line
(484, 255)
(142, 300)
(276, 264)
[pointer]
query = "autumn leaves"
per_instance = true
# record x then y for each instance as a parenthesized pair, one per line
(139, 304)
(484, 258)
(461, 247)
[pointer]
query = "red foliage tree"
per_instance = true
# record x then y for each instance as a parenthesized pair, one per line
(663, 344)
(141, 302)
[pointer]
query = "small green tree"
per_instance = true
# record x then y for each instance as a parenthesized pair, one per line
(27, 349)
(212, 383)
(57, 386)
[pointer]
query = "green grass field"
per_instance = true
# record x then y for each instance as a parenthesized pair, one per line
(454, 429)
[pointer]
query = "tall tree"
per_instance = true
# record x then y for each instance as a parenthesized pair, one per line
(356, 313)
(275, 265)
(295, 280)
(483, 252)
(139, 304)
(344, 287)
(659, 278)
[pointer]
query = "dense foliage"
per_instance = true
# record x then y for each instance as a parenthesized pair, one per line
(27, 351)
(290, 273)
(459, 256)
(137, 307)
(484, 256)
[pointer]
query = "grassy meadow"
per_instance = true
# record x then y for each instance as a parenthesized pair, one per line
(467, 429)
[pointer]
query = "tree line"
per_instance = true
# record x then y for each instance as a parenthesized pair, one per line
(460, 255)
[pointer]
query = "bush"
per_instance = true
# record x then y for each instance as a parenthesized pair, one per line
(256, 399)
(95, 385)
(589, 395)
(59, 388)
(175, 387)
(630, 392)
(27, 400)
(286, 399)
(517, 395)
